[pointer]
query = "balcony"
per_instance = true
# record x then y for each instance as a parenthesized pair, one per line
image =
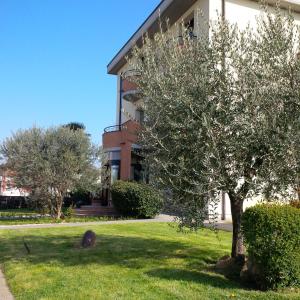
(132, 96)
(129, 87)
(115, 136)
(113, 128)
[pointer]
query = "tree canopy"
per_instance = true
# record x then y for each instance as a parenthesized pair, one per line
(75, 126)
(50, 163)
(222, 115)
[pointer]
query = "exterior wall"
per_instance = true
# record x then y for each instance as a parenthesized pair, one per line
(242, 12)
(118, 100)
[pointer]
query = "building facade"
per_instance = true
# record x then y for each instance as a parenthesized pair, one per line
(120, 141)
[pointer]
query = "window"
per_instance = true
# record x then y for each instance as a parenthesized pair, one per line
(139, 171)
(9, 185)
(189, 26)
(139, 115)
(114, 173)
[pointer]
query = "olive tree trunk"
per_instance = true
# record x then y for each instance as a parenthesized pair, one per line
(58, 206)
(236, 204)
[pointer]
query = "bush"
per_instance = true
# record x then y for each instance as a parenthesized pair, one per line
(136, 199)
(272, 237)
(12, 202)
(77, 198)
(69, 212)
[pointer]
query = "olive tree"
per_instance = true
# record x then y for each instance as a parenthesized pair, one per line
(50, 163)
(221, 114)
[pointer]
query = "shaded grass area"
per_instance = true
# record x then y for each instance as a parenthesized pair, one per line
(130, 261)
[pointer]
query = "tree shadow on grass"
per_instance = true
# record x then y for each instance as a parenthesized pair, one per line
(151, 254)
(109, 249)
(194, 276)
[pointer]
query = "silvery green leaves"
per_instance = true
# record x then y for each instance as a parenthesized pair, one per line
(51, 162)
(222, 113)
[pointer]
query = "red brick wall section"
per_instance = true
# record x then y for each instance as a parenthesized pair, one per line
(128, 86)
(125, 161)
(116, 138)
(123, 139)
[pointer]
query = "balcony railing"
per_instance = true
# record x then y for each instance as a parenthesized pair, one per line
(129, 125)
(130, 89)
(132, 95)
(130, 73)
(113, 128)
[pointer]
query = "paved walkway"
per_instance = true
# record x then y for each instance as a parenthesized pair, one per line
(160, 218)
(5, 293)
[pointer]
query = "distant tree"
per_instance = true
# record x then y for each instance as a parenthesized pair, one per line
(75, 126)
(222, 115)
(51, 163)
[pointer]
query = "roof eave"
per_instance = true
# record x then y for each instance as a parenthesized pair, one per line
(151, 25)
(119, 60)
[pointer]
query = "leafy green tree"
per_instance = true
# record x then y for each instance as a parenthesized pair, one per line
(51, 163)
(221, 115)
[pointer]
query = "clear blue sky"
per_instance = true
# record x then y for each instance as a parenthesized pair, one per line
(53, 57)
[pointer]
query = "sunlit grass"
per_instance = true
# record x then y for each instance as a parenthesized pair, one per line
(28, 216)
(130, 261)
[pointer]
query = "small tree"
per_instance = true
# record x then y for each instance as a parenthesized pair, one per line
(221, 114)
(50, 163)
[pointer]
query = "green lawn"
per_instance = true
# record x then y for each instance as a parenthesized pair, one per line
(19, 214)
(48, 220)
(130, 261)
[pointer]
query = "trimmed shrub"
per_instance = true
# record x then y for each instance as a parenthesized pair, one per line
(272, 237)
(12, 202)
(136, 199)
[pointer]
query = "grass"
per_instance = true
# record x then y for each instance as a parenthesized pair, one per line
(130, 261)
(48, 220)
(19, 214)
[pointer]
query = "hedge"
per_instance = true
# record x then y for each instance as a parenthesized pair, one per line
(272, 237)
(13, 202)
(136, 199)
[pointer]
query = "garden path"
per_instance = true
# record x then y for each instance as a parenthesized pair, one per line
(161, 218)
(5, 293)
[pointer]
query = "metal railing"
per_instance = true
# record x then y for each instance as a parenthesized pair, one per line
(113, 128)
(130, 73)
(117, 128)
